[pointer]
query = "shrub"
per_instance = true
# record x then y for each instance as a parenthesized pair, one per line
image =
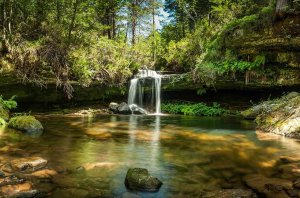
(198, 109)
(8, 104)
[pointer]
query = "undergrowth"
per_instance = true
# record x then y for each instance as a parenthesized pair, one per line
(8, 104)
(197, 109)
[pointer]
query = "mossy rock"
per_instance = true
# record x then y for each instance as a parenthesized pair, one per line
(280, 116)
(139, 179)
(26, 123)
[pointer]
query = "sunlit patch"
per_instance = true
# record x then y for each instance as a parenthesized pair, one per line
(89, 166)
(268, 164)
(271, 150)
(99, 133)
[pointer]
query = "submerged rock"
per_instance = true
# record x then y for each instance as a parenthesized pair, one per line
(139, 179)
(269, 187)
(24, 190)
(280, 116)
(296, 184)
(230, 193)
(12, 180)
(28, 165)
(123, 108)
(70, 192)
(2, 174)
(26, 123)
(130, 195)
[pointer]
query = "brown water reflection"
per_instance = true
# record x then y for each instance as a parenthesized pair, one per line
(189, 154)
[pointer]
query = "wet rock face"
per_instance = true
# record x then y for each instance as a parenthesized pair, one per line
(122, 108)
(27, 124)
(137, 110)
(280, 116)
(139, 179)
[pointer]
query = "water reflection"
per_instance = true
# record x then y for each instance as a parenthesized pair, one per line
(189, 154)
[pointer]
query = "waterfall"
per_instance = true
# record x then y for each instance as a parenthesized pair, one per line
(145, 92)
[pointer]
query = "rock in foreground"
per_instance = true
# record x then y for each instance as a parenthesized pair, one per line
(139, 179)
(30, 164)
(27, 124)
(280, 116)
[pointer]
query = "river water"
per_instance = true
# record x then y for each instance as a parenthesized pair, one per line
(190, 155)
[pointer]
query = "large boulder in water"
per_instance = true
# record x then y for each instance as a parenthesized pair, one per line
(124, 108)
(139, 179)
(113, 107)
(137, 110)
(27, 124)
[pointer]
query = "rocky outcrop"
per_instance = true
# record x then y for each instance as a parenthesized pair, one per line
(277, 38)
(139, 179)
(27, 124)
(280, 116)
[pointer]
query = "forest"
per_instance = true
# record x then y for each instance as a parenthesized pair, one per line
(108, 41)
(149, 98)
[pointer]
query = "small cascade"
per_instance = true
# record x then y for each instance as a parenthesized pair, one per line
(145, 92)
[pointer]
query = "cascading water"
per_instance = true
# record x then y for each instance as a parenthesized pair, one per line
(145, 92)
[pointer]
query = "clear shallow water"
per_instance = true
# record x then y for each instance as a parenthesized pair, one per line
(188, 154)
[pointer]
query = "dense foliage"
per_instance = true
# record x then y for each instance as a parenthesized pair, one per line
(108, 41)
(8, 104)
(198, 109)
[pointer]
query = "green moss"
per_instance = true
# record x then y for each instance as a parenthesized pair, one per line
(25, 123)
(216, 48)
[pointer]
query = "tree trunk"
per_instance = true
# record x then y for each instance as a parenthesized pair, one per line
(75, 7)
(133, 21)
(153, 31)
(58, 10)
